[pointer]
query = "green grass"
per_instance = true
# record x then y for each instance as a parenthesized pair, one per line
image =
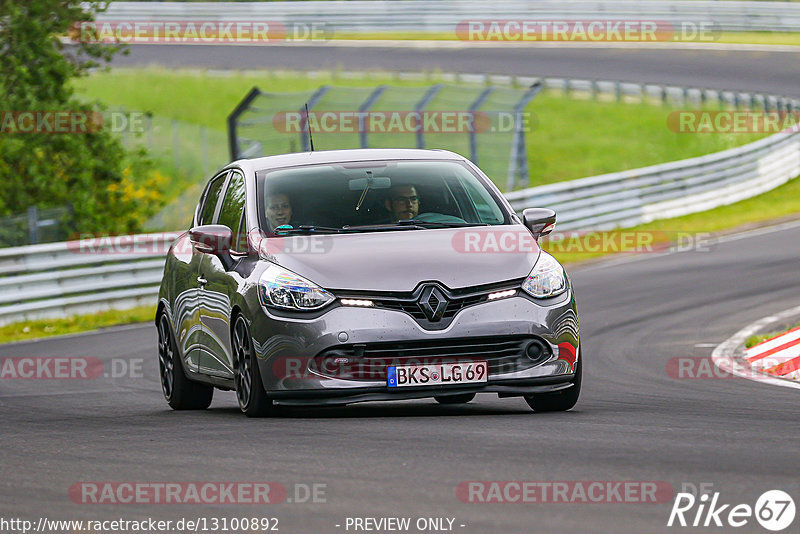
(755, 340)
(77, 323)
(577, 138)
(571, 138)
(202, 97)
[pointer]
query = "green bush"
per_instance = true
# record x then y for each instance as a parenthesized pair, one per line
(111, 190)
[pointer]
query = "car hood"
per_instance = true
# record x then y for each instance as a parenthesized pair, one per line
(400, 260)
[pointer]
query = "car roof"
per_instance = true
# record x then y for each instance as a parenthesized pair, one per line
(340, 156)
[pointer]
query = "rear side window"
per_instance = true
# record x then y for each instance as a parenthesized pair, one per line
(210, 202)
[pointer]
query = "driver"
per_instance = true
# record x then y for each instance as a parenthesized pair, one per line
(403, 202)
(279, 210)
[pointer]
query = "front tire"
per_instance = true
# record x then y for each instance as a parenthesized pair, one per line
(559, 401)
(250, 392)
(180, 392)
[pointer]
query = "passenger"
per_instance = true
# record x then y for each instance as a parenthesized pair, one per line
(403, 202)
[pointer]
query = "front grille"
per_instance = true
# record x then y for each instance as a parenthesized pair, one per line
(409, 302)
(369, 361)
(412, 308)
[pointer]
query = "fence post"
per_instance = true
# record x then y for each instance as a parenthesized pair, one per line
(518, 159)
(149, 126)
(365, 107)
(304, 126)
(420, 107)
(33, 225)
(233, 118)
(175, 143)
(473, 139)
(204, 142)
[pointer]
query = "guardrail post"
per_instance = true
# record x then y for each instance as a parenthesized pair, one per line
(618, 91)
(663, 94)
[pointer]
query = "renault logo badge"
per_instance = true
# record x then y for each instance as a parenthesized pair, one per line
(432, 302)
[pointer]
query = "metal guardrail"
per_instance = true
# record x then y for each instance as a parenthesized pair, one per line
(75, 277)
(369, 16)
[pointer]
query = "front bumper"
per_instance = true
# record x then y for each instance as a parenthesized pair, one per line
(286, 348)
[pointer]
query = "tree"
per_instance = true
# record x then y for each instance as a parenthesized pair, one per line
(109, 189)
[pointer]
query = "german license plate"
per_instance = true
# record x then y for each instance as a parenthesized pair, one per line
(440, 374)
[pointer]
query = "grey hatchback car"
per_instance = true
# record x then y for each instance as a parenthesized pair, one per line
(329, 278)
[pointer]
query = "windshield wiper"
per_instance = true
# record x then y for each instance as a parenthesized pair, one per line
(384, 227)
(308, 229)
(435, 224)
(408, 224)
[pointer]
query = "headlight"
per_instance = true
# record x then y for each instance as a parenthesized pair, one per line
(284, 289)
(547, 279)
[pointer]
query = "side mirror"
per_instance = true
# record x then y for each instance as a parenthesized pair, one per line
(211, 238)
(540, 221)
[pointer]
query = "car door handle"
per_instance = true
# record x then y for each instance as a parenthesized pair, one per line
(202, 281)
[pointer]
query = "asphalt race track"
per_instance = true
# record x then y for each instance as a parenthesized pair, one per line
(634, 421)
(771, 72)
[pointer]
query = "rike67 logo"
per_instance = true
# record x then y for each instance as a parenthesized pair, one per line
(774, 510)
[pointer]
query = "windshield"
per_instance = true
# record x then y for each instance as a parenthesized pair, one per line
(376, 195)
